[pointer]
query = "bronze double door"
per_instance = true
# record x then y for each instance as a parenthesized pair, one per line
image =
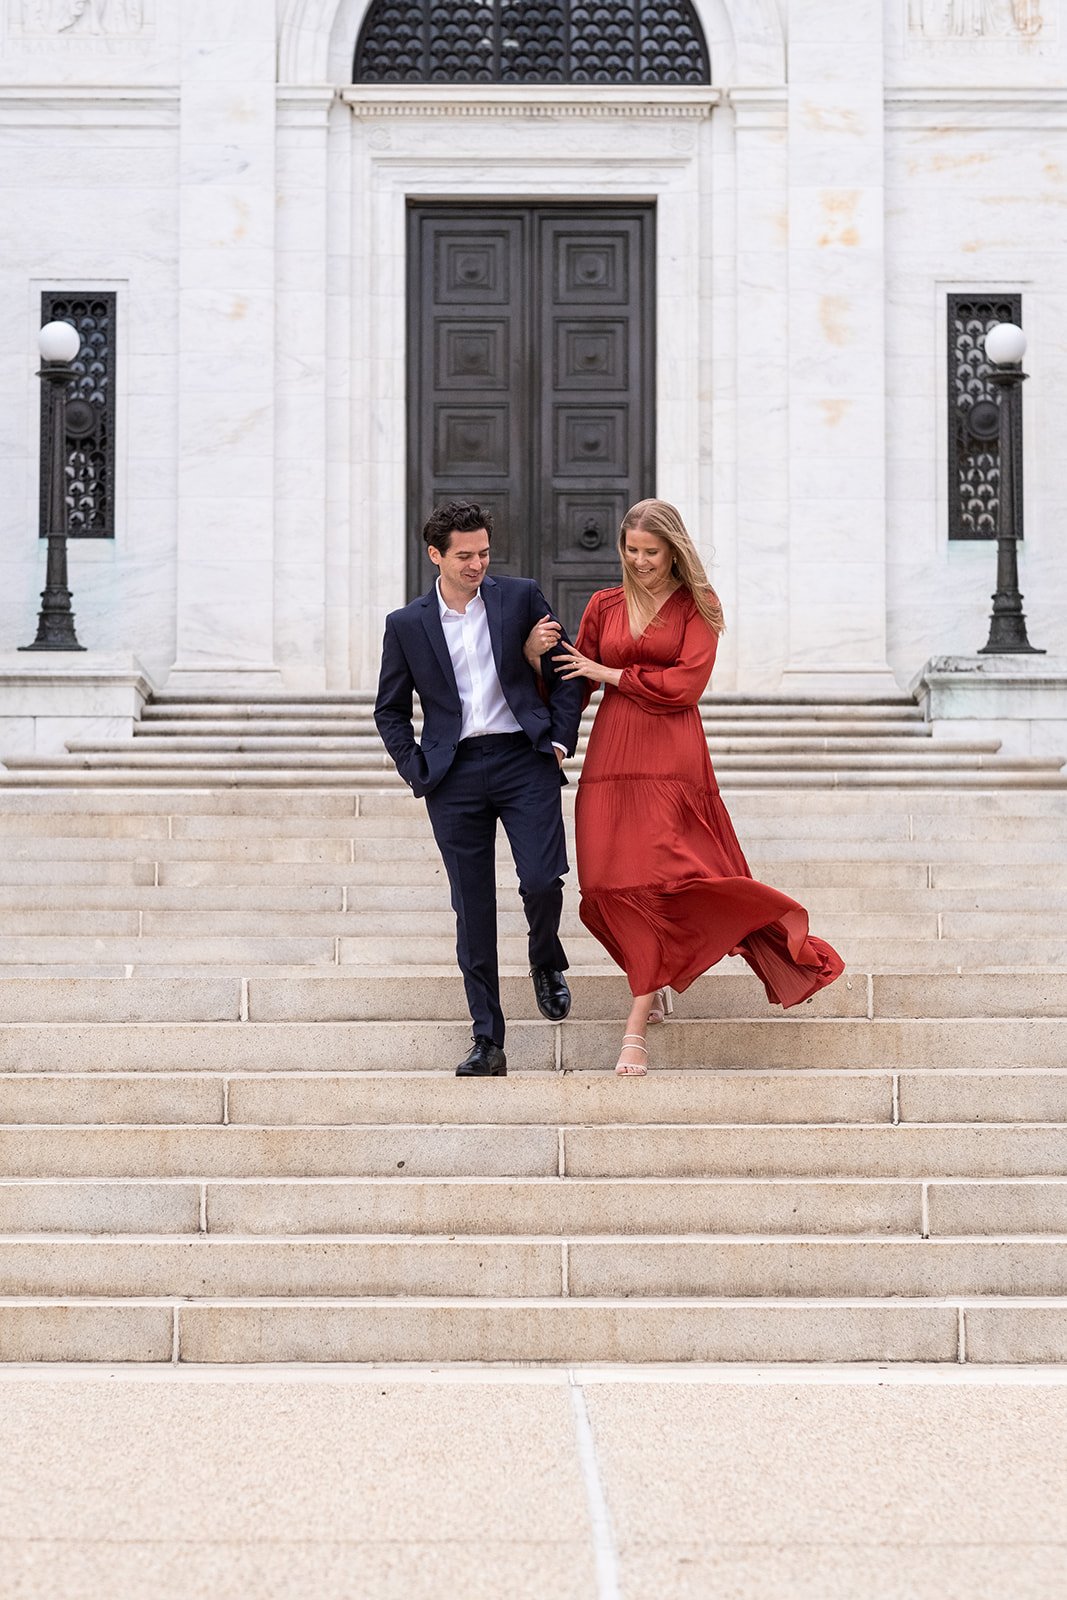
(531, 382)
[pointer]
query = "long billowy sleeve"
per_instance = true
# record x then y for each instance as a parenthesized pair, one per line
(588, 643)
(666, 689)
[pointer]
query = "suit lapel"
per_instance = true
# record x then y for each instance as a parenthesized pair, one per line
(494, 614)
(431, 621)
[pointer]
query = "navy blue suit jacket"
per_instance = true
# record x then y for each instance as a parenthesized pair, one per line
(415, 660)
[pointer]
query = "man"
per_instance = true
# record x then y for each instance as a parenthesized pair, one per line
(491, 750)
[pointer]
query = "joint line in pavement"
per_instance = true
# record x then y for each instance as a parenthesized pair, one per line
(604, 1553)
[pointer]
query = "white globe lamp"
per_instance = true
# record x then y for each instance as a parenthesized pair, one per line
(58, 341)
(1005, 344)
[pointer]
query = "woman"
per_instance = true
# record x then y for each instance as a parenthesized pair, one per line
(665, 887)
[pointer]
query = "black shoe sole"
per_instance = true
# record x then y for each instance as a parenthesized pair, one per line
(481, 1072)
(554, 1016)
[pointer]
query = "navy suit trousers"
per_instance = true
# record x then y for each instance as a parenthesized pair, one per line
(500, 777)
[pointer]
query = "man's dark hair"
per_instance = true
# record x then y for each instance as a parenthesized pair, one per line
(458, 516)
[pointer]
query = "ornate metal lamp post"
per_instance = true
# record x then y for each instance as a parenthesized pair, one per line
(1005, 346)
(59, 346)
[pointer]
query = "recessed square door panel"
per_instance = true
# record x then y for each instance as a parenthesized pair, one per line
(531, 381)
(591, 440)
(471, 355)
(471, 441)
(586, 524)
(472, 269)
(591, 355)
(591, 268)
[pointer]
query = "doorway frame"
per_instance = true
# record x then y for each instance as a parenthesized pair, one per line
(532, 145)
(641, 393)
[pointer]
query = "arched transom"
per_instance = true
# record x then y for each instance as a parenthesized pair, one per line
(531, 41)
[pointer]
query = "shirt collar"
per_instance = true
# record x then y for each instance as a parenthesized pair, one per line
(446, 610)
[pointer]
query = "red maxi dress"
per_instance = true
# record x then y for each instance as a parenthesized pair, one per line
(664, 885)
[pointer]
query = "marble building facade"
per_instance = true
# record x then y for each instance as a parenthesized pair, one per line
(851, 165)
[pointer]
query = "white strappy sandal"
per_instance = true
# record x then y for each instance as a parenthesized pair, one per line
(662, 1005)
(632, 1069)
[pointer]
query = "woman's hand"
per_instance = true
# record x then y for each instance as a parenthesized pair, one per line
(543, 637)
(572, 664)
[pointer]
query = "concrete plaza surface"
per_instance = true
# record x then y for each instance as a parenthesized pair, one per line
(724, 1483)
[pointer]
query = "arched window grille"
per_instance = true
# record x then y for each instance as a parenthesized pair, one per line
(529, 41)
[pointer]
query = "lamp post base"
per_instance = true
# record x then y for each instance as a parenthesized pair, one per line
(55, 620)
(1004, 649)
(52, 644)
(1007, 625)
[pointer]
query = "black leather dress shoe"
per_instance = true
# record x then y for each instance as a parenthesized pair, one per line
(551, 993)
(486, 1060)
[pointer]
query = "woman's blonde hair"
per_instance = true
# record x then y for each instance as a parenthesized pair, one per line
(663, 522)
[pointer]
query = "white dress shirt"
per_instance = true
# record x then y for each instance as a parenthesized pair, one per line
(485, 709)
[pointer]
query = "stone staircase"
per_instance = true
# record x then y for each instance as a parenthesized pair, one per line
(329, 740)
(230, 1130)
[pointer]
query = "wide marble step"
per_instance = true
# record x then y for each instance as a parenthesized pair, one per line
(1012, 1329)
(67, 772)
(722, 736)
(1023, 842)
(415, 994)
(855, 1150)
(706, 1097)
(767, 1042)
(398, 817)
(622, 1207)
(360, 703)
(360, 936)
(520, 1266)
(371, 899)
(137, 756)
(312, 802)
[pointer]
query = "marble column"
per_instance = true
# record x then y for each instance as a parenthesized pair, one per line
(225, 580)
(303, 339)
(837, 531)
(761, 629)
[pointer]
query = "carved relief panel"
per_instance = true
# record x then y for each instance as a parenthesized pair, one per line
(977, 19)
(73, 19)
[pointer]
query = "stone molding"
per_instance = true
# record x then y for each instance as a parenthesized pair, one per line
(997, 671)
(305, 106)
(48, 698)
(581, 100)
(984, 109)
(84, 106)
(1019, 699)
(758, 107)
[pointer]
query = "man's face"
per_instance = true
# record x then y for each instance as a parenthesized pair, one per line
(464, 564)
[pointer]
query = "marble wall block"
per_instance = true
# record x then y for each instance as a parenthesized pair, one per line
(225, 615)
(111, 226)
(836, 352)
(758, 618)
(982, 210)
(47, 699)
